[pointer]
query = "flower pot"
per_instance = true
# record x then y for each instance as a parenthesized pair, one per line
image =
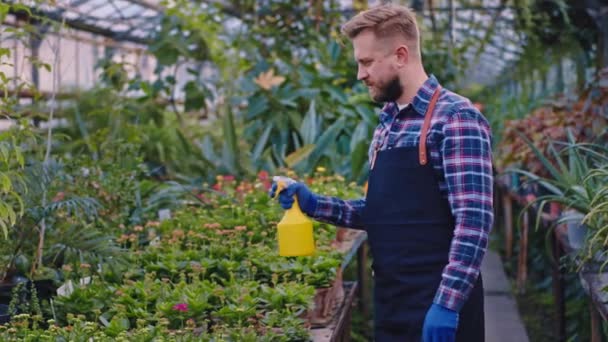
(45, 289)
(5, 317)
(6, 288)
(341, 234)
(577, 232)
(327, 301)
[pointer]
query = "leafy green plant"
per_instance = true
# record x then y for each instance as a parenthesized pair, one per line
(578, 181)
(12, 164)
(70, 234)
(214, 268)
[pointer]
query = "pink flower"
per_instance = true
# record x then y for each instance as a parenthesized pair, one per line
(263, 175)
(183, 307)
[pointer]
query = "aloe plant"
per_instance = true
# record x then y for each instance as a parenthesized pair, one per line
(578, 180)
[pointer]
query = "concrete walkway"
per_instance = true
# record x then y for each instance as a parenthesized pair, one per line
(503, 322)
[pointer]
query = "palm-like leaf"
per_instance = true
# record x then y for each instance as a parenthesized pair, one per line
(83, 244)
(579, 181)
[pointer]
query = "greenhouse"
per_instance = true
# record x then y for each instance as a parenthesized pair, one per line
(305, 170)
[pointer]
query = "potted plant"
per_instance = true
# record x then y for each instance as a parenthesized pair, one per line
(578, 175)
(577, 231)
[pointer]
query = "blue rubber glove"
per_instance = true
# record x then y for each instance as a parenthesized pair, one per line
(440, 324)
(306, 199)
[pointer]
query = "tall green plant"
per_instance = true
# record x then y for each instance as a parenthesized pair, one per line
(12, 163)
(578, 180)
(16, 141)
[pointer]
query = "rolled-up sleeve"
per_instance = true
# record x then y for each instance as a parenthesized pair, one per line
(467, 162)
(339, 212)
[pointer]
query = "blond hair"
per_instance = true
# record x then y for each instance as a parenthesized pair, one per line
(386, 21)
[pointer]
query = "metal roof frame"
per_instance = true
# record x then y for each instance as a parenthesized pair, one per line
(137, 20)
(104, 17)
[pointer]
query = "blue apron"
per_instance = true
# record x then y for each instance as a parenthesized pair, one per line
(410, 228)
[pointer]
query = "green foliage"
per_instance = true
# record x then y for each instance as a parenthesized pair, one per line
(578, 178)
(174, 41)
(301, 120)
(15, 141)
(12, 164)
(214, 269)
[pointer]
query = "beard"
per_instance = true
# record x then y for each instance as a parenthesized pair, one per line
(389, 92)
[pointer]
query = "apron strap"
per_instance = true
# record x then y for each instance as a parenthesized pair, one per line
(425, 126)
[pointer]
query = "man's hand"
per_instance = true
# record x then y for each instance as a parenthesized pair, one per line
(440, 324)
(306, 199)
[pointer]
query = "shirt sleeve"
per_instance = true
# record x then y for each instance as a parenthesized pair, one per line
(343, 213)
(467, 164)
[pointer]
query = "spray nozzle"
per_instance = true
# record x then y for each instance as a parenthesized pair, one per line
(282, 183)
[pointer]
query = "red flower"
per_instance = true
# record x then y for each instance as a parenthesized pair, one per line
(228, 178)
(183, 307)
(59, 197)
(263, 175)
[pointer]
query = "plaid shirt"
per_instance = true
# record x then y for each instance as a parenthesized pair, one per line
(459, 142)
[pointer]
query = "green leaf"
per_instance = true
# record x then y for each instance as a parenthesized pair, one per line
(230, 153)
(4, 9)
(208, 151)
(195, 96)
(12, 217)
(4, 152)
(19, 157)
(5, 182)
(359, 135)
(334, 51)
(261, 144)
(309, 129)
(22, 8)
(117, 325)
(21, 205)
(336, 93)
(288, 103)
(4, 216)
(288, 94)
(326, 140)
(165, 52)
(4, 51)
(299, 155)
(308, 93)
(546, 163)
(4, 228)
(367, 114)
(257, 105)
(359, 157)
(185, 144)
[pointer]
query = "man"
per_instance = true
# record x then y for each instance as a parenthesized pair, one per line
(428, 208)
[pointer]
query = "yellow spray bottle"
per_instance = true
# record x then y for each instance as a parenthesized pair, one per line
(295, 234)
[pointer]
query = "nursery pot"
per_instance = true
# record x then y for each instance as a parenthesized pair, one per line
(5, 317)
(45, 289)
(6, 287)
(576, 230)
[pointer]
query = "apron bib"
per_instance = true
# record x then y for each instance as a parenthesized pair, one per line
(410, 228)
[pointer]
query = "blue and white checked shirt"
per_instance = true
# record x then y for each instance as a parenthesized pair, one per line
(459, 142)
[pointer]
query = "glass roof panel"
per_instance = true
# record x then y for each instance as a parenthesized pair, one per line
(116, 19)
(137, 21)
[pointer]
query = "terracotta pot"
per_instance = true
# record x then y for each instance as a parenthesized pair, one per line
(341, 234)
(327, 300)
